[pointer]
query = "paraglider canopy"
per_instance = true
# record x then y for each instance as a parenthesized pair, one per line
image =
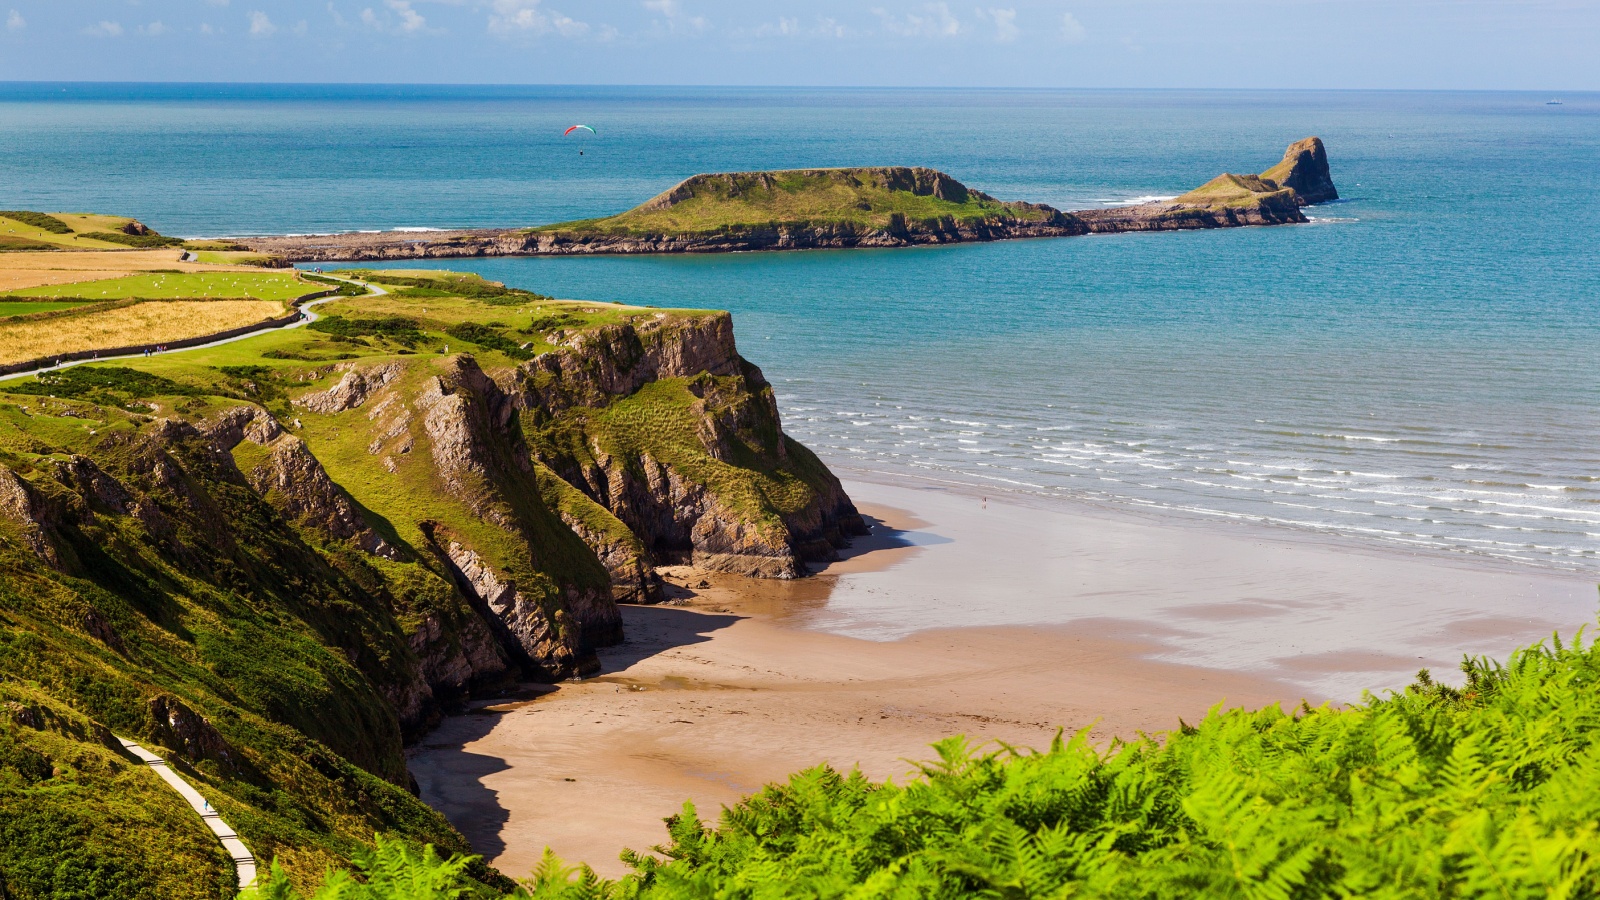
(576, 127)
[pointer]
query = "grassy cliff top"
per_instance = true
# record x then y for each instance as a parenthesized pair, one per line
(861, 197)
(29, 230)
(1233, 190)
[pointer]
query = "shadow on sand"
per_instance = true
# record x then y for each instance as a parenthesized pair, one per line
(452, 780)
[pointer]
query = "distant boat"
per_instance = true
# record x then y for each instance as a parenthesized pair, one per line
(1552, 103)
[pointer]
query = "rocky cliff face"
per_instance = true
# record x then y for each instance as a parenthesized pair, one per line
(1304, 170)
(711, 431)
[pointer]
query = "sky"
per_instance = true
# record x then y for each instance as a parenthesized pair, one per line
(1542, 45)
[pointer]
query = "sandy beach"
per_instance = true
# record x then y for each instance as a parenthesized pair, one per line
(992, 618)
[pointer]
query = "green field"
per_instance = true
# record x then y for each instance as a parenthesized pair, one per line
(25, 307)
(864, 199)
(180, 285)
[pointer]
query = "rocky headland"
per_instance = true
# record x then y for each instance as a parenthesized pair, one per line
(841, 208)
(280, 570)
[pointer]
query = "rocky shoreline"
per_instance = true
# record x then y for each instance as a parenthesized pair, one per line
(1273, 198)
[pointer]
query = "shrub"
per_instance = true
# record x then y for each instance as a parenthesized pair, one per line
(484, 336)
(342, 288)
(400, 329)
(99, 382)
(1484, 790)
(471, 287)
(150, 241)
(39, 220)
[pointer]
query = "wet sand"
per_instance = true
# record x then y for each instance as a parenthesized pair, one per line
(1089, 618)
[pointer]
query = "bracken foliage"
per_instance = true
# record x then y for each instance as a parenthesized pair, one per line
(1489, 790)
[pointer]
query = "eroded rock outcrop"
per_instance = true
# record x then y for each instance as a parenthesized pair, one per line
(21, 505)
(293, 480)
(686, 494)
(181, 729)
(353, 388)
(538, 632)
(481, 459)
(1304, 170)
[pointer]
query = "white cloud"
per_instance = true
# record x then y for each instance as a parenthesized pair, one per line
(526, 17)
(205, 28)
(1071, 29)
(518, 15)
(411, 21)
(936, 21)
(260, 25)
(154, 29)
(567, 26)
(781, 28)
(672, 11)
(300, 28)
(830, 27)
(15, 21)
(104, 29)
(1005, 23)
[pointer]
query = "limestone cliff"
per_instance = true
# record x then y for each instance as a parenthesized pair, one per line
(665, 425)
(1304, 170)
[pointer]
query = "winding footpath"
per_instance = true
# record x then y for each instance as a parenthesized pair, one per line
(244, 863)
(307, 308)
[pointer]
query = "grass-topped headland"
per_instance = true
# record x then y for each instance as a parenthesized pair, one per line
(276, 560)
(864, 199)
(869, 206)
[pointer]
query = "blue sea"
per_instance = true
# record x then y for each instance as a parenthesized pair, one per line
(1419, 367)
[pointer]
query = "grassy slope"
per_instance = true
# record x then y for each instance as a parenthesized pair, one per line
(250, 625)
(1239, 191)
(11, 228)
(800, 197)
(29, 307)
(279, 639)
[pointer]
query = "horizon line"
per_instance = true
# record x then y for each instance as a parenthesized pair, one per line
(787, 87)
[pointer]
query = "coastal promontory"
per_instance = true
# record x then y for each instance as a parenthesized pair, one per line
(880, 206)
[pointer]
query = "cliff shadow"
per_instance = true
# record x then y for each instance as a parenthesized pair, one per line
(451, 780)
(651, 630)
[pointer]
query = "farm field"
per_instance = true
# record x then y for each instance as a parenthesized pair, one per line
(172, 285)
(26, 307)
(27, 269)
(141, 323)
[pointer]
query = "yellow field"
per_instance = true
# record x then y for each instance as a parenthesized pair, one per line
(156, 321)
(25, 269)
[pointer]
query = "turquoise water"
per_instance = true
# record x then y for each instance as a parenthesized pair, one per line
(1420, 366)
